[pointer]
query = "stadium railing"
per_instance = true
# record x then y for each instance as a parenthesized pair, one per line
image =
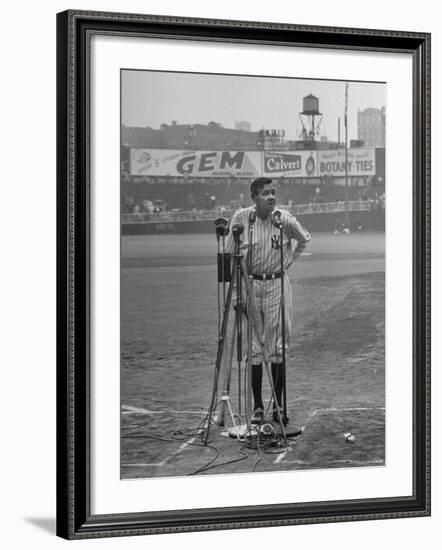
(312, 208)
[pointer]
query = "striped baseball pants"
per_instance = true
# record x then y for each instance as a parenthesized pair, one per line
(268, 303)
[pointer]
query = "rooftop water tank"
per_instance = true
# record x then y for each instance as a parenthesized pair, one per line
(310, 105)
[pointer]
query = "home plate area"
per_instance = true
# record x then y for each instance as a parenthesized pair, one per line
(156, 444)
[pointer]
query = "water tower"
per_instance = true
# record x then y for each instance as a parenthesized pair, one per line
(309, 118)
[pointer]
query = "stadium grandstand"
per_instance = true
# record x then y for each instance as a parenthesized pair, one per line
(194, 173)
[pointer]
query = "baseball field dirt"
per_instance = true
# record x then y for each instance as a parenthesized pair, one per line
(335, 364)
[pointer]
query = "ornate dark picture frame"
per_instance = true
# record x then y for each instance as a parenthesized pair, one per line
(74, 32)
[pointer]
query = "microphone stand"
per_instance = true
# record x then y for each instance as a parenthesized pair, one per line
(224, 275)
(252, 219)
(278, 223)
(238, 317)
(284, 386)
(225, 399)
(255, 320)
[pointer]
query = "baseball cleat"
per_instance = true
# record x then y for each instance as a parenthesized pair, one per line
(258, 416)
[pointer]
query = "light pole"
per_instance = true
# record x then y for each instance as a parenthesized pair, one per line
(346, 155)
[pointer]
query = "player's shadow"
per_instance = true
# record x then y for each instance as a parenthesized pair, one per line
(47, 524)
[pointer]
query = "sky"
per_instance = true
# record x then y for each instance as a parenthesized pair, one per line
(150, 98)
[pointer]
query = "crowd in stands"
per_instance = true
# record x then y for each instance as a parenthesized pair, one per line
(224, 193)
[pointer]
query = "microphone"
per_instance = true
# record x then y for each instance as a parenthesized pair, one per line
(252, 217)
(276, 218)
(237, 229)
(221, 227)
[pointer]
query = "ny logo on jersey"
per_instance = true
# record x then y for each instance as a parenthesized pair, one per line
(276, 242)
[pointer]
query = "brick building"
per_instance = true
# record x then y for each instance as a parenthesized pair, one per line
(371, 127)
(190, 136)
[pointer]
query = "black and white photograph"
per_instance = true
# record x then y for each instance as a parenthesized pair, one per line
(222, 259)
(252, 276)
(243, 274)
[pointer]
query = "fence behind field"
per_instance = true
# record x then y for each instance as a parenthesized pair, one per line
(301, 209)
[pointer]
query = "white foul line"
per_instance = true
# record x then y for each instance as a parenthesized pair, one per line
(333, 409)
(280, 457)
(320, 411)
(135, 410)
(178, 451)
(141, 465)
(127, 409)
(348, 409)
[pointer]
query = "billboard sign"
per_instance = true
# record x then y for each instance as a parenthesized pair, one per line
(360, 162)
(296, 163)
(271, 133)
(169, 162)
(251, 164)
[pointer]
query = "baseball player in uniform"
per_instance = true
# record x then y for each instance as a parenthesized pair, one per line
(263, 258)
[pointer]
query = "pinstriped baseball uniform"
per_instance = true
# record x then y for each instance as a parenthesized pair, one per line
(263, 257)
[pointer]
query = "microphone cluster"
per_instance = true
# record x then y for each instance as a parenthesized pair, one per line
(237, 229)
(276, 218)
(222, 227)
